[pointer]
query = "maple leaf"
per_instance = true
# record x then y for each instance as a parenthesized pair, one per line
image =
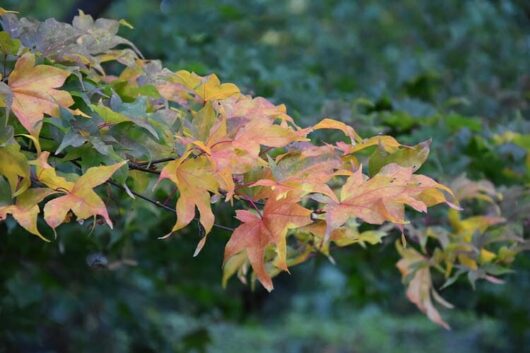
(195, 180)
(405, 156)
(296, 174)
(249, 108)
(180, 87)
(465, 234)
(468, 189)
(34, 92)
(14, 166)
(337, 125)
(387, 143)
(415, 269)
(383, 197)
(259, 231)
(343, 236)
(26, 209)
(250, 123)
(237, 151)
(259, 132)
(213, 89)
(79, 196)
(80, 43)
(225, 160)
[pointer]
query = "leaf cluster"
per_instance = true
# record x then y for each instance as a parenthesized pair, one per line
(82, 108)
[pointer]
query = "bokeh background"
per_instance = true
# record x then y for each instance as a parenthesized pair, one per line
(454, 71)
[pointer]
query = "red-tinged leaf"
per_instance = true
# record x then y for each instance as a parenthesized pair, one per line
(34, 92)
(224, 158)
(466, 189)
(252, 237)
(416, 272)
(248, 109)
(257, 233)
(383, 197)
(261, 132)
(296, 174)
(238, 153)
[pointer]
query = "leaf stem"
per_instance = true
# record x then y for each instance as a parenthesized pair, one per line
(249, 200)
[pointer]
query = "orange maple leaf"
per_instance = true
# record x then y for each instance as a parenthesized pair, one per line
(384, 196)
(34, 92)
(236, 150)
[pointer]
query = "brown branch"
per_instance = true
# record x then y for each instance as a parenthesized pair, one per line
(157, 161)
(142, 169)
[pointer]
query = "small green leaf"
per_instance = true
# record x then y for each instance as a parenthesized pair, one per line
(8, 45)
(405, 156)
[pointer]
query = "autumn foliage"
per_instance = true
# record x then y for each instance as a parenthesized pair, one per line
(82, 108)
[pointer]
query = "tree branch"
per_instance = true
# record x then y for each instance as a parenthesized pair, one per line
(142, 169)
(140, 196)
(161, 205)
(157, 161)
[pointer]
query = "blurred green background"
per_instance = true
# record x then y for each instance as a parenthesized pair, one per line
(454, 71)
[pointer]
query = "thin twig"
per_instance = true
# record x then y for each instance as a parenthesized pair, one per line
(62, 155)
(157, 161)
(142, 169)
(161, 205)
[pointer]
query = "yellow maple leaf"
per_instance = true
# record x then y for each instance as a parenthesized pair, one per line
(213, 89)
(208, 88)
(14, 166)
(26, 209)
(79, 196)
(194, 179)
